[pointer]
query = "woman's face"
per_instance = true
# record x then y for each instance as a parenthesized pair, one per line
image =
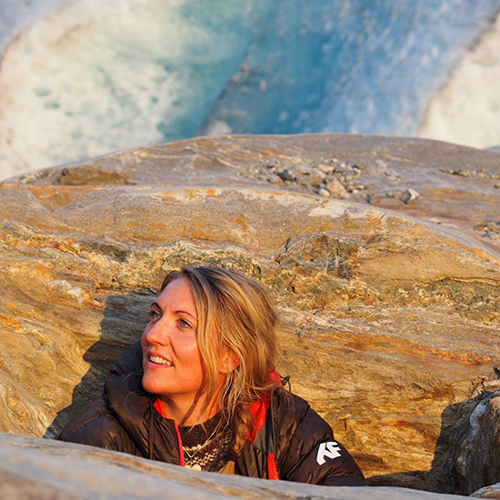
(171, 357)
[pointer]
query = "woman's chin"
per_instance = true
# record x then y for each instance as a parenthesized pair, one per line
(151, 384)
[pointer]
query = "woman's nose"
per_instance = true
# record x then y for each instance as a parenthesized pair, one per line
(157, 333)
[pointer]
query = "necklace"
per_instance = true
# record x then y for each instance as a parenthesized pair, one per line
(191, 455)
(202, 453)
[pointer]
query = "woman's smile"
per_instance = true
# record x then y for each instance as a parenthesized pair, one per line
(158, 361)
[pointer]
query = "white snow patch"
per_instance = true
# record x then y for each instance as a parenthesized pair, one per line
(95, 77)
(467, 109)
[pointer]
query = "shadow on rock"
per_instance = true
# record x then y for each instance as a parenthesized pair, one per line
(124, 319)
(466, 457)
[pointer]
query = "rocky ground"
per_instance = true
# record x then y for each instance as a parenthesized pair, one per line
(36, 468)
(448, 185)
(383, 255)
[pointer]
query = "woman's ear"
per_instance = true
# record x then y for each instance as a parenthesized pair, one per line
(229, 362)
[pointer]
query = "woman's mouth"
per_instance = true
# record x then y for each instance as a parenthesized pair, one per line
(159, 361)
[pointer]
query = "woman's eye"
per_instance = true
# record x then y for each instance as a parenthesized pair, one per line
(154, 315)
(184, 323)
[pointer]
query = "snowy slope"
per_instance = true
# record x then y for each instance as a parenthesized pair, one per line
(83, 78)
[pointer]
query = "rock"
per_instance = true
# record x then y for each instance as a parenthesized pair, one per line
(35, 468)
(469, 453)
(336, 189)
(461, 172)
(327, 169)
(312, 177)
(489, 230)
(287, 175)
(408, 195)
(388, 317)
(479, 460)
(492, 491)
(383, 164)
(276, 180)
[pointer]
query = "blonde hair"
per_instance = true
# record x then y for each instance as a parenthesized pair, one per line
(236, 316)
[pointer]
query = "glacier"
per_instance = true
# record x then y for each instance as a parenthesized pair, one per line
(80, 78)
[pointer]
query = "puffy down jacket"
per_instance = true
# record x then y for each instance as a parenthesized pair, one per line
(290, 441)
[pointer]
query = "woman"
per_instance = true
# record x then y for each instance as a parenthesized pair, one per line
(200, 390)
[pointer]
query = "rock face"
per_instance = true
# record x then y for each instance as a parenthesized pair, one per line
(31, 468)
(391, 307)
(492, 491)
(468, 454)
(452, 186)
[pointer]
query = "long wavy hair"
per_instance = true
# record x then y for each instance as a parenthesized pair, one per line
(236, 315)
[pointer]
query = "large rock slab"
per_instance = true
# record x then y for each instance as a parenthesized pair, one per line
(36, 468)
(479, 460)
(389, 317)
(449, 185)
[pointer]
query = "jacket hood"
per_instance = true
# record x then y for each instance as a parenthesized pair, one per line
(129, 362)
(133, 407)
(128, 401)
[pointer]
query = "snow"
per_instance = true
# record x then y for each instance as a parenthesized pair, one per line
(83, 78)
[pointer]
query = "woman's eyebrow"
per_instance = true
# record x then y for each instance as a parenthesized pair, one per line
(155, 304)
(185, 312)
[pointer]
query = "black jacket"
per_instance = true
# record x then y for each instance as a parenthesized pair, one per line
(291, 442)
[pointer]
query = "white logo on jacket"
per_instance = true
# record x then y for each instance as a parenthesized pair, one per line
(329, 450)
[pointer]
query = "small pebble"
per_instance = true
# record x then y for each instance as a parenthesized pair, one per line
(313, 178)
(336, 189)
(275, 180)
(408, 195)
(327, 169)
(286, 175)
(324, 192)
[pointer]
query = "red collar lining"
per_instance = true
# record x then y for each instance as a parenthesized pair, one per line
(258, 409)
